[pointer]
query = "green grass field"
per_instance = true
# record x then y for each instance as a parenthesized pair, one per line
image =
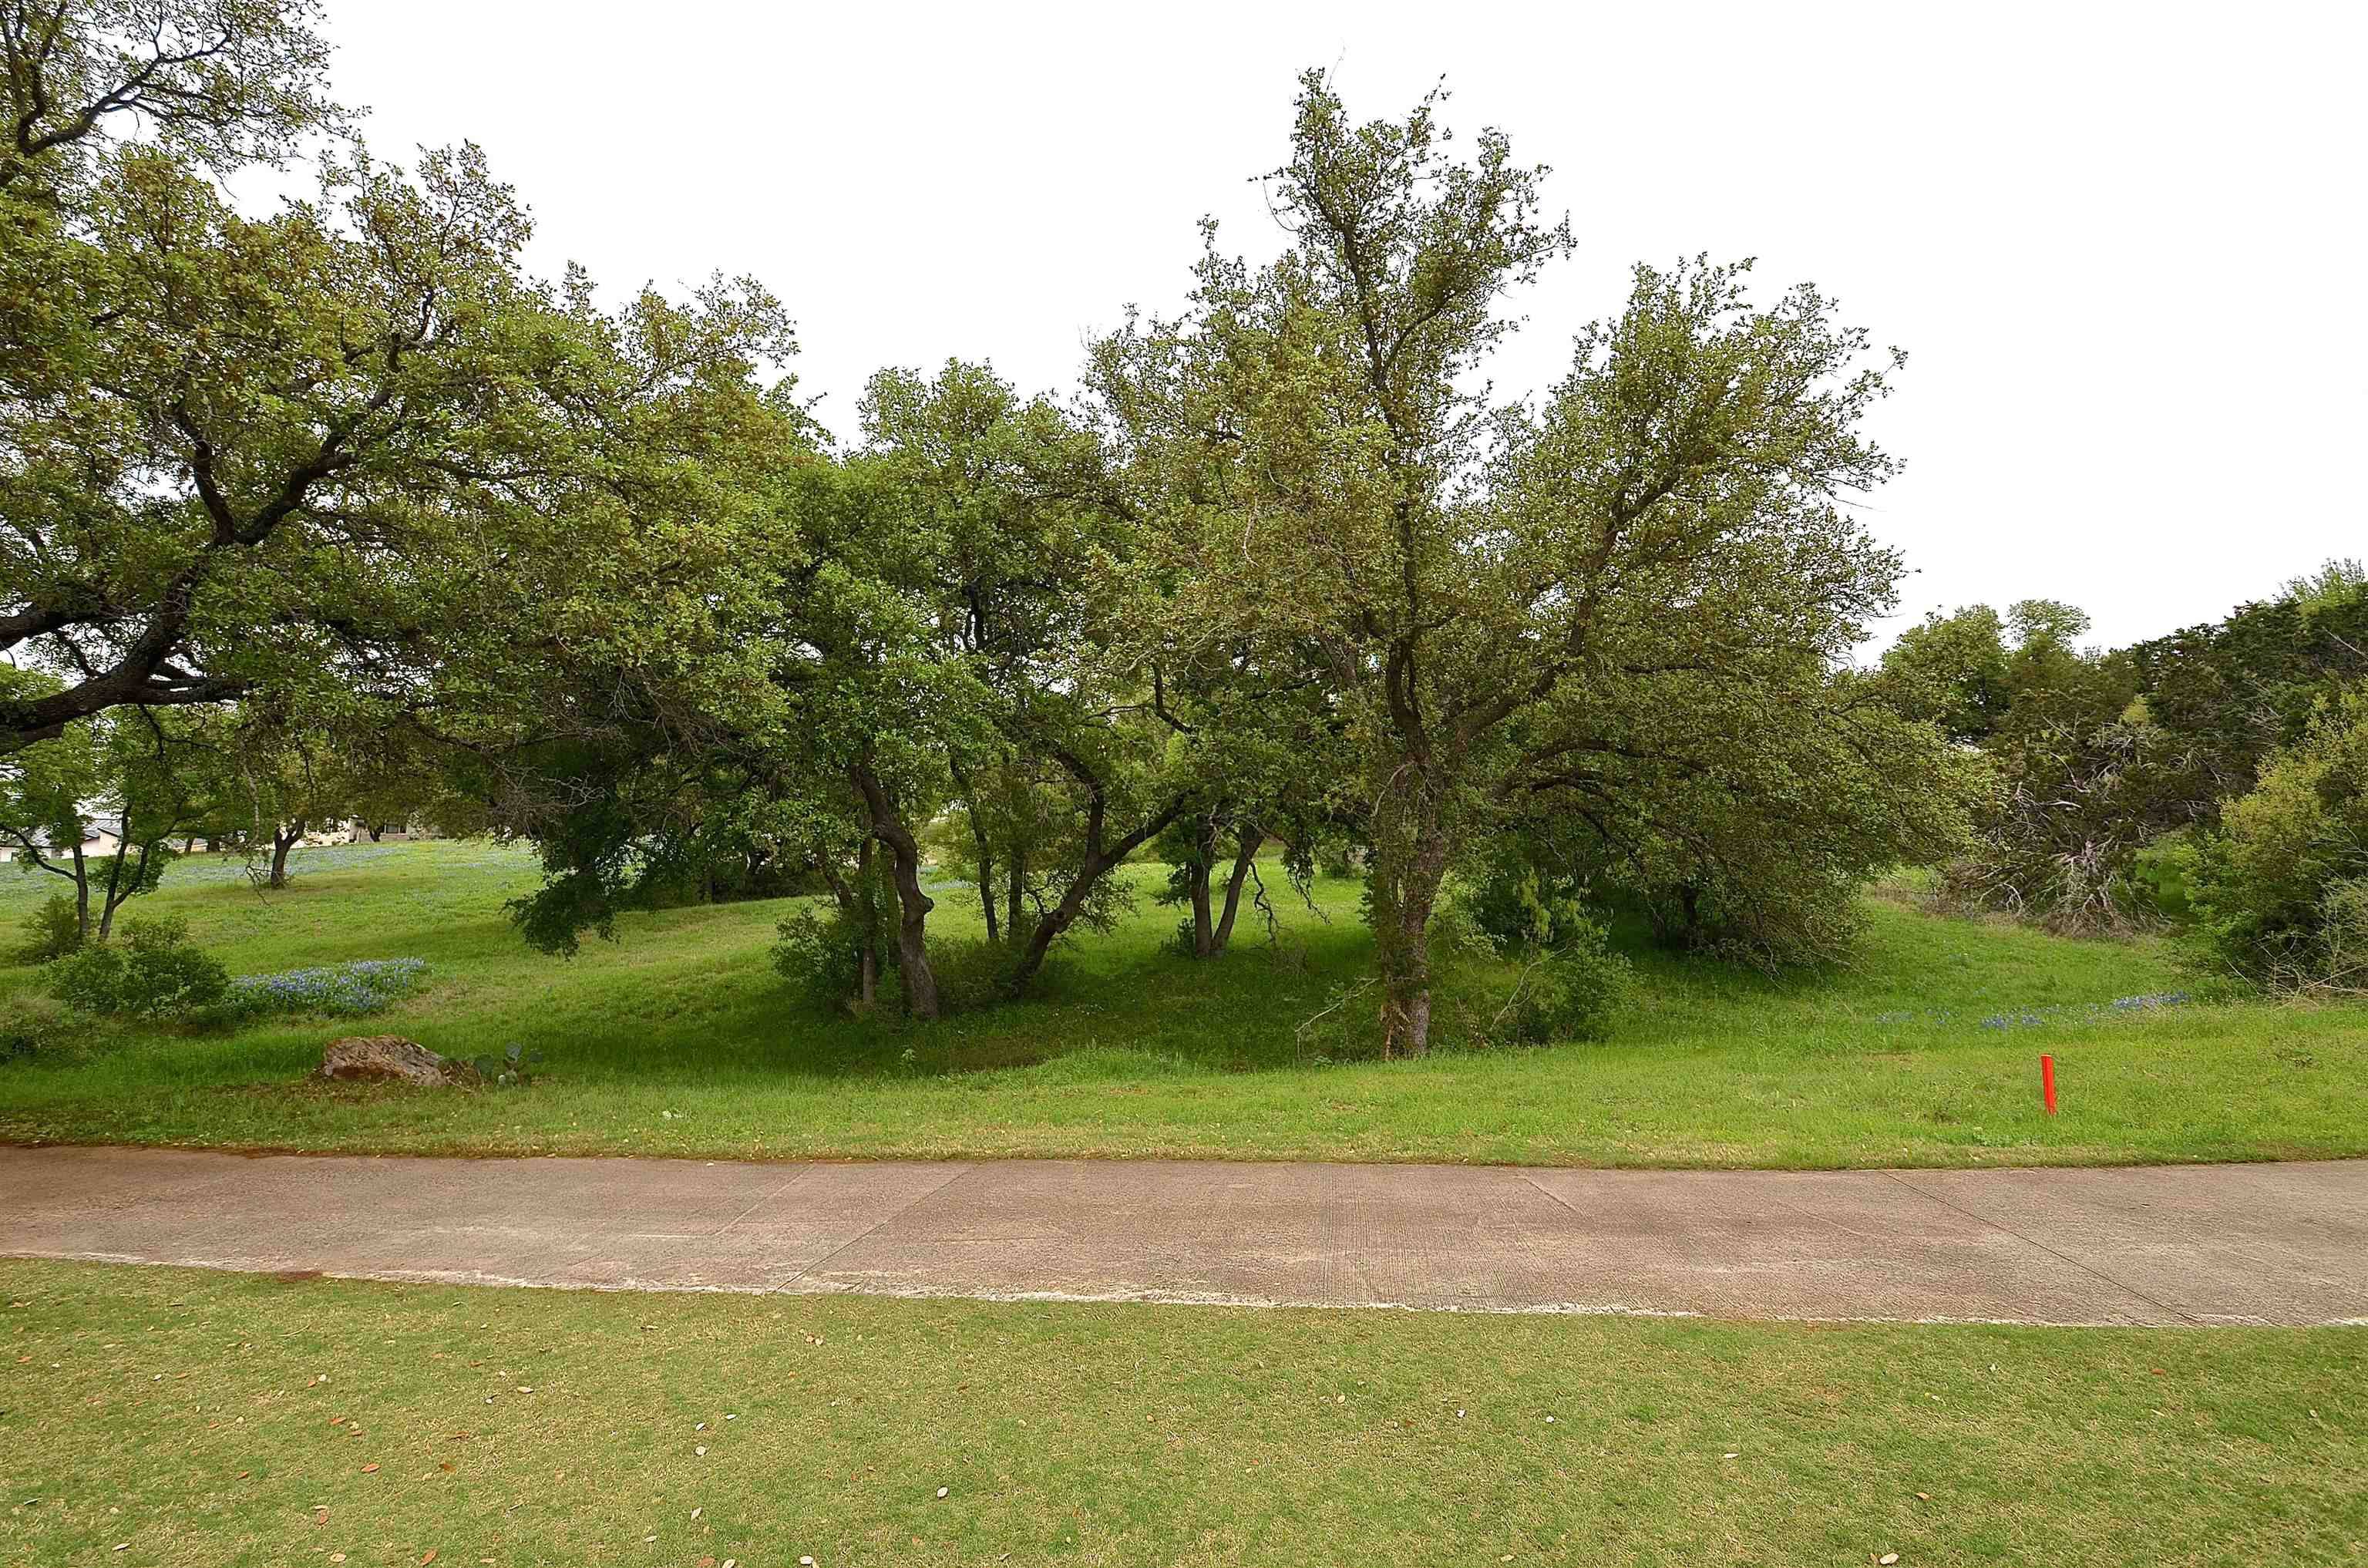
(224, 1420)
(1924, 1050)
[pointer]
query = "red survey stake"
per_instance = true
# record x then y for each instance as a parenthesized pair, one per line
(2047, 1082)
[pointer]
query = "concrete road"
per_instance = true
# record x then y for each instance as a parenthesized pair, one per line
(2270, 1243)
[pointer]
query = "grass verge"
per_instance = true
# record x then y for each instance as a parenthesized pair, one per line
(219, 1420)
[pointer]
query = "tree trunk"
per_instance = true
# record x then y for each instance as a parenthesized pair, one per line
(1056, 920)
(858, 907)
(866, 954)
(1096, 864)
(985, 854)
(82, 894)
(1012, 918)
(114, 896)
(1196, 875)
(283, 840)
(1243, 856)
(1407, 874)
(913, 905)
(377, 832)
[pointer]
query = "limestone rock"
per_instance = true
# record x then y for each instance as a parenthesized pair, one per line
(388, 1058)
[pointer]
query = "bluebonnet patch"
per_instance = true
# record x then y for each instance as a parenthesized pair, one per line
(344, 991)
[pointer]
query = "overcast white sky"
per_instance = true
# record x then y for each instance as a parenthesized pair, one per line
(2122, 244)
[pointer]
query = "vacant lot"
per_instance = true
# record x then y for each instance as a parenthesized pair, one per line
(680, 1039)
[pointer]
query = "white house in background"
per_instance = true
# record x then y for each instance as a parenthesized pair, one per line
(356, 831)
(104, 838)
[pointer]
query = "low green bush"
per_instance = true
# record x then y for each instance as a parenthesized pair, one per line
(153, 972)
(52, 931)
(820, 954)
(1522, 906)
(33, 1027)
(2279, 893)
(1570, 991)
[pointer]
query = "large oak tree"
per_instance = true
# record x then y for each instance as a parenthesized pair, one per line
(1567, 603)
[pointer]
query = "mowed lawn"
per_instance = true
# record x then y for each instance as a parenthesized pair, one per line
(680, 1039)
(218, 1420)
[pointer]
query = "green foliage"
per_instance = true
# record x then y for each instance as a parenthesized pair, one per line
(2164, 870)
(974, 973)
(52, 931)
(1600, 611)
(687, 1016)
(820, 954)
(2280, 891)
(1572, 991)
(154, 972)
(1523, 906)
(1453, 931)
(2098, 757)
(35, 1027)
(2074, 809)
(1951, 670)
(513, 1068)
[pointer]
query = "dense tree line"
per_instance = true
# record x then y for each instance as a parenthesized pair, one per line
(2200, 778)
(329, 501)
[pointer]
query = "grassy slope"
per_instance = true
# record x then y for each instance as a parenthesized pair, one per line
(1135, 1052)
(179, 1412)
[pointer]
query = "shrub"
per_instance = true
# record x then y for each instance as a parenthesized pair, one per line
(1455, 931)
(32, 1026)
(2061, 840)
(344, 991)
(1522, 906)
(1570, 991)
(52, 931)
(972, 972)
(154, 973)
(822, 955)
(2280, 892)
(513, 1068)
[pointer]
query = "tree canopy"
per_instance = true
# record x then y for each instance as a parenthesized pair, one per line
(1285, 568)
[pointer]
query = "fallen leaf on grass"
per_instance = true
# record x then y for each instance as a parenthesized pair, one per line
(446, 1464)
(429, 1558)
(1886, 1560)
(369, 1470)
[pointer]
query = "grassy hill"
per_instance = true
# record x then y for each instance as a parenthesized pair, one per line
(678, 1039)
